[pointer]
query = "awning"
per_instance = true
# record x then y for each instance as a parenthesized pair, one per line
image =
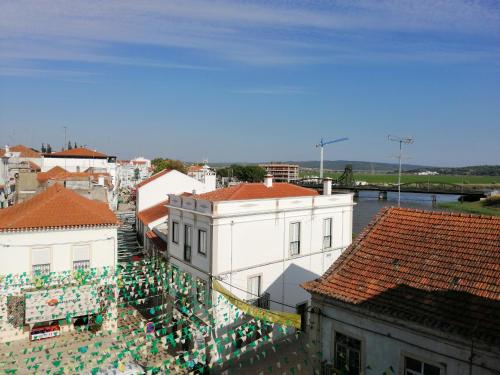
(283, 318)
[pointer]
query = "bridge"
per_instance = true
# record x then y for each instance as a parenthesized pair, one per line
(346, 182)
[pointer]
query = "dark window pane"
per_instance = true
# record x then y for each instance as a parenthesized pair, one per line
(413, 364)
(431, 370)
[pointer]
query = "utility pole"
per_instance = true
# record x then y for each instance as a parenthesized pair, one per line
(401, 140)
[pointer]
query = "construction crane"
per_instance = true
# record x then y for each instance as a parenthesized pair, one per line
(322, 144)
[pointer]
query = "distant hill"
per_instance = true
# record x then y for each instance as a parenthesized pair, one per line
(375, 167)
(358, 166)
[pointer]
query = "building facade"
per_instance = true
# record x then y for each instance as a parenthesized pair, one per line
(50, 244)
(204, 174)
(282, 172)
(132, 172)
(259, 240)
(415, 294)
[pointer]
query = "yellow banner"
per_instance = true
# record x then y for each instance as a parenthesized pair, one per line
(283, 318)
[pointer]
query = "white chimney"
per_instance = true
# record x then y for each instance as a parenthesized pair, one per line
(327, 186)
(6, 149)
(268, 180)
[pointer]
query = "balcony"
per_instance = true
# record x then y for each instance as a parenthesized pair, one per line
(262, 302)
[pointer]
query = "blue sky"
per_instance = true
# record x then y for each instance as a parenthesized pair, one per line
(254, 80)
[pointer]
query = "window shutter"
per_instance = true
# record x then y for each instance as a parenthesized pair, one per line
(81, 252)
(40, 256)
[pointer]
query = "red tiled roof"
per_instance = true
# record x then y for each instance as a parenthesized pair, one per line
(80, 151)
(434, 268)
(58, 173)
(56, 207)
(25, 152)
(153, 213)
(195, 168)
(152, 178)
(157, 241)
(257, 191)
(34, 167)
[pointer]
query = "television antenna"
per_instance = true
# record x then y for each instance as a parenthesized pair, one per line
(401, 140)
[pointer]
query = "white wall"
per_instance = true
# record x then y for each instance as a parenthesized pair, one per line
(173, 182)
(71, 164)
(248, 238)
(392, 342)
(15, 248)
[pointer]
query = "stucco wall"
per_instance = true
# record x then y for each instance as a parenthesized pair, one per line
(384, 345)
(15, 248)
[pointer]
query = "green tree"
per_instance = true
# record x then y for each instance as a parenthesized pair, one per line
(160, 164)
(248, 173)
(69, 145)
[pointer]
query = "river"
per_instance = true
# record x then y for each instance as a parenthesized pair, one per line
(368, 205)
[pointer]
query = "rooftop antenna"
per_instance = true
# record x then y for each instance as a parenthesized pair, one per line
(401, 140)
(322, 144)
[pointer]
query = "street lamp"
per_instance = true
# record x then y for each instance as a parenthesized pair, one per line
(401, 140)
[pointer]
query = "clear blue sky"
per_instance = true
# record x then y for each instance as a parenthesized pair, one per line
(254, 80)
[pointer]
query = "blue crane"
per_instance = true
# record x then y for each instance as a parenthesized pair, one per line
(322, 144)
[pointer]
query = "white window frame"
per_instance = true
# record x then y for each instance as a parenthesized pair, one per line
(294, 243)
(49, 263)
(404, 371)
(202, 249)
(327, 233)
(250, 295)
(175, 232)
(188, 229)
(84, 263)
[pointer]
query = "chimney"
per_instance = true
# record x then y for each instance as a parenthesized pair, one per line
(327, 186)
(7, 149)
(268, 180)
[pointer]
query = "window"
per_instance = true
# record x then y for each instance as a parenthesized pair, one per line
(347, 354)
(175, 232)
(294, 238)
(188, 240)
(201, 287)
(417, 367)
(81, 257)
(202, 242)
(40, 261)
(254, 287)
(327, 233)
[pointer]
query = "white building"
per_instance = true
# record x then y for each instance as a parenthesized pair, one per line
(204, 174)
(81, 159)
(46, 239)
(132, 172)
(13, 161)
(417, 293)
(260, 239)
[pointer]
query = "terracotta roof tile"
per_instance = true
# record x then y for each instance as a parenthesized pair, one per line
(257, 191)
(153, 177)
(54, 208)
(433, 268)
(157, 241)
(153, 213)
(80, 151)
(25, 152)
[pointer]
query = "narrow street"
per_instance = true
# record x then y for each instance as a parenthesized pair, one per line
(128, 246)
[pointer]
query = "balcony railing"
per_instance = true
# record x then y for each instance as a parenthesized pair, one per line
(295, 247)
(262, 302)
(41, 269)
(187, 253)
(81, 265)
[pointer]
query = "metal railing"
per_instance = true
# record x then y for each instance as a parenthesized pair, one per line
(41, 269)
(262, 302)
(187, 253)
(295, 247)
(81, 265)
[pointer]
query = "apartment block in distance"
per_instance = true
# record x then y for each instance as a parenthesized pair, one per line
(282, 172)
